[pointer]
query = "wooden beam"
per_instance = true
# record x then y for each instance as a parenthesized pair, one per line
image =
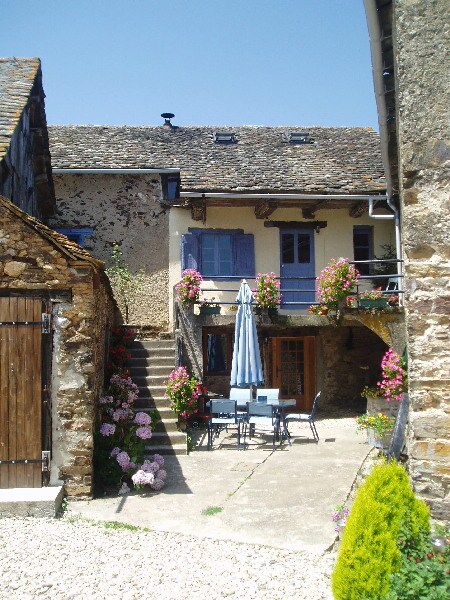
(357, 210)
(264, 208)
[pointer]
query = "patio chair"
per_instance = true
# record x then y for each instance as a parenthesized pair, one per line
(261, 416)
(269, 394)
(223, 413)
(303, 417)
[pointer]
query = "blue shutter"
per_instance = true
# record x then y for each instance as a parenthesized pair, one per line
(244, 255)
(189, 252)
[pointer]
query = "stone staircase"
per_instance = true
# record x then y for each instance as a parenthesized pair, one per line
(150, 364)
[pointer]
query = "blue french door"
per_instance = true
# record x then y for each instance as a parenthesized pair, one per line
(297, 260)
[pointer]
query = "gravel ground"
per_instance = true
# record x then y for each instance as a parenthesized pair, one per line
(74, 558)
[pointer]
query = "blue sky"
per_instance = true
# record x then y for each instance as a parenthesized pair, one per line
(211, 62)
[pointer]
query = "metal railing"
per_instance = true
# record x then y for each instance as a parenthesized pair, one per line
(394, 279)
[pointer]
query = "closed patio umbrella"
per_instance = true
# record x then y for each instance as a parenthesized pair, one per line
(246, 369)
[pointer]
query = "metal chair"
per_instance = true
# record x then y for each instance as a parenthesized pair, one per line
(261, 415)
(223, 413)
(269, 394)
(303, 417)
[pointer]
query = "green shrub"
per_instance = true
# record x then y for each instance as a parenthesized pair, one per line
(369, 552)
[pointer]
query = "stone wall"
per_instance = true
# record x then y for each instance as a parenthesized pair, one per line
(422, 51)
(82, 311)
(123, 209)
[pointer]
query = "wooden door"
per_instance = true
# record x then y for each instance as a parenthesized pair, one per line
(294, 366)
(20, 391)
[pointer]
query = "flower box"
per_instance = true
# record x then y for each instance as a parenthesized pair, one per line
(210, 310)
(372, 302)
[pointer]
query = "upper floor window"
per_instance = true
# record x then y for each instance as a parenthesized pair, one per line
(76, 235)
(170, 184)
(218, 252)
(363, 247)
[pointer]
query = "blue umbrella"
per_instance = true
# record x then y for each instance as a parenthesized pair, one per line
(246, 369)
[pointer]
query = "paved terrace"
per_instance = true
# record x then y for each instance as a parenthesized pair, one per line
(283, 499)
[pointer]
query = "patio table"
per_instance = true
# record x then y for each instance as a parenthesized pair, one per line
(280, 405)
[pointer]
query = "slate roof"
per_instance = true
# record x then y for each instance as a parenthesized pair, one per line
(72, 250)
(341, 159)
(17, 76)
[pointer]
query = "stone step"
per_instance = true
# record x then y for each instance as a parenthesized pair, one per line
(151, 354)
(152, 345)
(31, 502)
(156, 379)
(177, 449)
(161, 438)
(144, 364)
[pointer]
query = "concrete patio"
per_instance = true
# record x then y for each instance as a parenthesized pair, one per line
(283, 498)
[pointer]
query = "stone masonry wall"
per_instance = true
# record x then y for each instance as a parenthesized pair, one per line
(422, 52)
(30, 262)
(124, 209)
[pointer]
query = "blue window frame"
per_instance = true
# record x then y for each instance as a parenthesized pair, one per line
(218, 252)
(75, 234)
(363, 247)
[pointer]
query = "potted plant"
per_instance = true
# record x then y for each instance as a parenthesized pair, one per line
(378, 427)
(183, 390)
(336, 282)
(189, 287)
(318, 309)
(209, 307)
(372, 299)
(267, 292)
(393, 376)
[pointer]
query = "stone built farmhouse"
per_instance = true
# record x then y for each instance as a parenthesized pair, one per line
(230, 202)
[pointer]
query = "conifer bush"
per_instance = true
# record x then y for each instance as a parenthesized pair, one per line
(369, 551)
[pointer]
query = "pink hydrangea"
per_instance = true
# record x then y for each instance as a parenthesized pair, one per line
(107, 429)
(124, 460)
(142, 418)
(145, 433)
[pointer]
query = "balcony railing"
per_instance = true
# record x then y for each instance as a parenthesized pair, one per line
(390, 284)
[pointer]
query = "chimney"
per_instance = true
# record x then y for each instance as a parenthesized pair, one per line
(167, 116)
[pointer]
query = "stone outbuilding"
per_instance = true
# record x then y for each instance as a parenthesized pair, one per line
(56, 310)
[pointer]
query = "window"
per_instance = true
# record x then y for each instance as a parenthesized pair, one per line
(363, 247)
(76, 235)
(218, 252)
(217, 346)
(170, 186)
(224, 137)
(298, 137)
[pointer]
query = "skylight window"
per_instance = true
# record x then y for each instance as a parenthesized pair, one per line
(224, 137)
(298, 137)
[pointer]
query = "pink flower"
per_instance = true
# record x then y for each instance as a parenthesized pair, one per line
(142, 418)
(107, 429)
(145, 433)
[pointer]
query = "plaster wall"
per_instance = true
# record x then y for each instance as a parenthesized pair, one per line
(334, 241)
(422, 52)
(123, 209)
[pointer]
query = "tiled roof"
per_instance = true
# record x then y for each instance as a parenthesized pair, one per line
(341, 159)
(17, 76)
(72, 250)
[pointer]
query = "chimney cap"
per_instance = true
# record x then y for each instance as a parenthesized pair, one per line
(167, 116)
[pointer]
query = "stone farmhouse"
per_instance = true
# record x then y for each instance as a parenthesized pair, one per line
(232, 202)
